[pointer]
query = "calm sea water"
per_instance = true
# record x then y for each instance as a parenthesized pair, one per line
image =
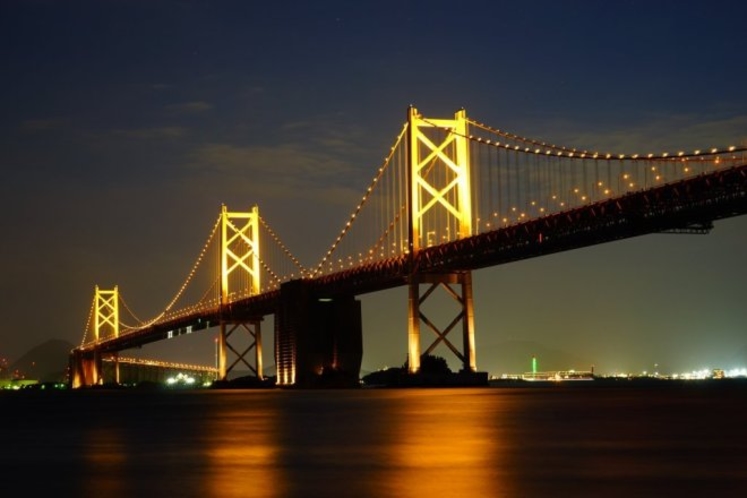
(483, 442)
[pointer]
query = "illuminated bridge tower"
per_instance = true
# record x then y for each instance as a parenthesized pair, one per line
(86, 369)
(440, 210)
(240, 268)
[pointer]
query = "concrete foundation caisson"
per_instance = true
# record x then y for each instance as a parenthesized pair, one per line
(318, 340)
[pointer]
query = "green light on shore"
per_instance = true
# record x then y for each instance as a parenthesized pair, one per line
(534, 365)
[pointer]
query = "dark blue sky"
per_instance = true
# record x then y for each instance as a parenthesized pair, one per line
(126, 124)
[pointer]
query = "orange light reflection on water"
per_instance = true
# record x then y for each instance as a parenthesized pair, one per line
(242, 451)
(444, 446)
(106, 458)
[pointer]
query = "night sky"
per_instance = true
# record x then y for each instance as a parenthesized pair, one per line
(126, 124)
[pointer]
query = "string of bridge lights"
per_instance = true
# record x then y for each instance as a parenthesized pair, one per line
(282, 246)
(585, 154)
(204, 250)
(204, 298)
(539, 148)
(203, 302)
(129, 310)
(273, 276)
(320, 267)
(200, 306)
(184, 285)
(181, 366)
(380, 242)
(88, 321)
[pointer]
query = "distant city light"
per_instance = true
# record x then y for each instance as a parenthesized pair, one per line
(180, 379)
(700, 374)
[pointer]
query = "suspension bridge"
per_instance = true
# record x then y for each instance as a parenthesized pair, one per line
(452, 196)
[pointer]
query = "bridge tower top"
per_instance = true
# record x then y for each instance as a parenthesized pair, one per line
(106, 312)
(240, 251)
(439, 177)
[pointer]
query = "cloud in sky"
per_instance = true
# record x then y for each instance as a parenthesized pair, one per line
(156, 133)
(282, 172)
(43, 124)
(195, 107)
(315, 160)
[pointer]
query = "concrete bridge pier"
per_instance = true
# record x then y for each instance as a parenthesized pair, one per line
(318, 340)
(85, 369)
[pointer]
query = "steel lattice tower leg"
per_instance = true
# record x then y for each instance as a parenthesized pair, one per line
(465, 316)
(254, 331)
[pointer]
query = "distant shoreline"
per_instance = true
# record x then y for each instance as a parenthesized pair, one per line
(620, 382)
(431, 383)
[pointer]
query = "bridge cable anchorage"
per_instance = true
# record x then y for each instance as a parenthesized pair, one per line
(320, 267)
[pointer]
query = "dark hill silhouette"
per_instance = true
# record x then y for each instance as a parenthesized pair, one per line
(46, 362)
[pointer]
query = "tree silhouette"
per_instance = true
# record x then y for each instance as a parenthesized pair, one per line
(430, 364)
